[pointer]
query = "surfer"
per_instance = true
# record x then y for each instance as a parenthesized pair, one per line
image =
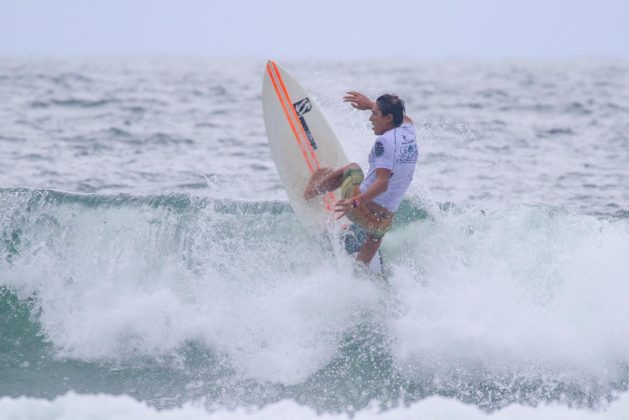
(371, 202)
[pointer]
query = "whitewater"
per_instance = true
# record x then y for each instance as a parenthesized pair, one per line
(151, 265)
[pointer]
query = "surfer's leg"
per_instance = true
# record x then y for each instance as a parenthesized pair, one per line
(369, 249)
(324, 180)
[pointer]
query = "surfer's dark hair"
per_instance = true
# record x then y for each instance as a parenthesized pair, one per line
(391, 104)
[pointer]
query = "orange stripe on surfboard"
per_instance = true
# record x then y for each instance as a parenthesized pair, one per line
(293, 120)
(294, 113)
(329, 197)
(287, 115)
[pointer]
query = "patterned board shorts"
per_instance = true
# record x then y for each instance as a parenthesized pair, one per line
(371, 217)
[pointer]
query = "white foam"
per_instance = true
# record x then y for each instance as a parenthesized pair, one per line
(106, 407)
(526, 292)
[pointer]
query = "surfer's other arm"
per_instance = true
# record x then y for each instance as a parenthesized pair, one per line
(379, 186)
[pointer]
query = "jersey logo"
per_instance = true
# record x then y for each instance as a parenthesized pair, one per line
(378, 149)
(408, 153)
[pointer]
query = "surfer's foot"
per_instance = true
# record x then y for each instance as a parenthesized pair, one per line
(316, 183)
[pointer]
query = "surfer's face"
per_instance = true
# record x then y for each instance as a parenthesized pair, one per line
(380, 124)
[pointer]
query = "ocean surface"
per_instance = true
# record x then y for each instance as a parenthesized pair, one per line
(151, 265)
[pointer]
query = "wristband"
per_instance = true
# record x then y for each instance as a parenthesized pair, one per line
(355, 203)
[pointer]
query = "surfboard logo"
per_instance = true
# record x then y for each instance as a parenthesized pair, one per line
(301, 107)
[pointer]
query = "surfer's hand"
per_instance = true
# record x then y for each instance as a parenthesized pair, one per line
(342, 207)
(358, 100)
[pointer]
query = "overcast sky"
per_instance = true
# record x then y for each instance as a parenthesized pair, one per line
(318, 29)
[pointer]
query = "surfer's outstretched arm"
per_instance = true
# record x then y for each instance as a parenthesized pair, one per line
(358, 100)
(362, 102)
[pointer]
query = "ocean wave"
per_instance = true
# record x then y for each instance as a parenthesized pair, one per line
(516, 305)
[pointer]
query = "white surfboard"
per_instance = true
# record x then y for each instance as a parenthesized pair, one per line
(301, 141)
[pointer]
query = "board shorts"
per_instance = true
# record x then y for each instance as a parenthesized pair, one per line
(374, 219)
